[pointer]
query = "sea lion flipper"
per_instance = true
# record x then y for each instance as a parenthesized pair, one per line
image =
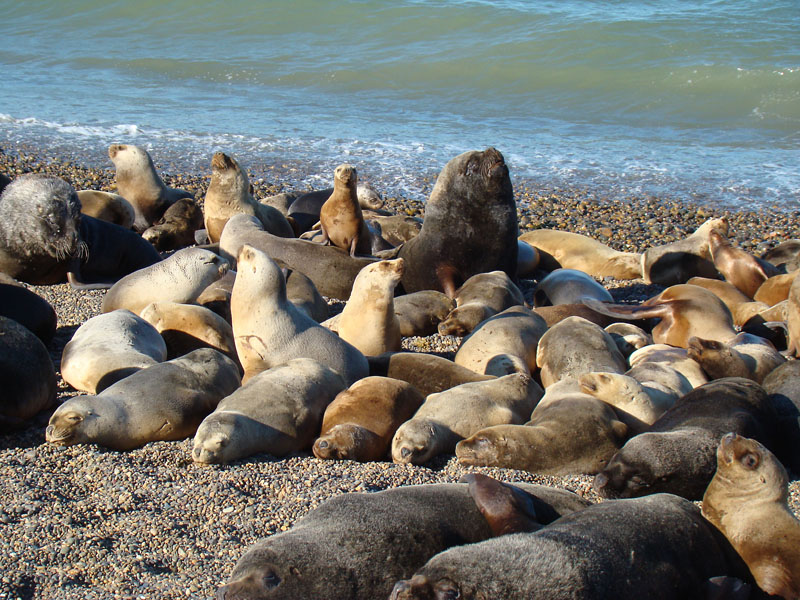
(506, 508)
(625, 311)
(76, 284)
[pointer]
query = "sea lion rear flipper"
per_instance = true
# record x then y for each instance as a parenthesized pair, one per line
(506, 508)
(626, 311)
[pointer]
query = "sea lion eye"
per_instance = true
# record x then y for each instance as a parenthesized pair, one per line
(749, 460)
(271, 580)
(447, 591)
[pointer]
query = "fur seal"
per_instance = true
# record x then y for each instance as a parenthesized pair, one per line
(230, 193)
(677, 454)
(269, 330)
(745, 355)
(420, 313)
(180, 278)
(136, 410)
(342, 222)
(747, 501)
(564, 249)
(107, 206)
(428, 373)
(470, 226)
(175, 229)
(109, 347)
(277, 411)
(141, 185)
(742, 269)
(360, 422)
(27, 308)
(368, 321)
(741, 306)
(675, 263)
(26, 374)
(457, 413)
(775, 289)
(676, 358)
(568, 286)
(786, 255)
(481, 296)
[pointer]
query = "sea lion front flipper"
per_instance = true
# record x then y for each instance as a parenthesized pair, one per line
(76, 284)
(506, 508)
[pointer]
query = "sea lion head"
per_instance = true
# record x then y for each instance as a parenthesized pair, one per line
(421, 587)
(72, 422)
(483, 448)
(345, 442)
(227, 177)
(213, 437)
(369, 197)
(745, 467)
(346, 175)
(258, 273)
(414, 442)
(257, 575)
(128, 156)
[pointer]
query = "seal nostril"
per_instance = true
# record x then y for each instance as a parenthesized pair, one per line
(405, 452)
(600, 481)
(323, 444)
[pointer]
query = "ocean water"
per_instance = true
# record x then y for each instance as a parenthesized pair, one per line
(679, 99)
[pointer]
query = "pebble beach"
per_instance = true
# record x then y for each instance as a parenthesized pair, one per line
(85, 522)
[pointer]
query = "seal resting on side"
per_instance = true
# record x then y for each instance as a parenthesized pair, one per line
(482, 296)
(107, 206)
(175, 229)
(745, 355)
(428, 373)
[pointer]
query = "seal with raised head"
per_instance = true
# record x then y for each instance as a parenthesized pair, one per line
(676, 358)
(176, 227)
(747, 500)
(482, 296)
(745, 355)
(341, 219)
(428, 373)
(742, 269)
(107, 206)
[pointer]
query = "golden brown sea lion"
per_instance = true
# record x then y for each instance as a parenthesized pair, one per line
(341, 219)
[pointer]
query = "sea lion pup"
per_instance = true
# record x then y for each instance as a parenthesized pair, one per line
(482, 296)
(420, 313)
(655, 547)
(568, 286)
(141, 185)
(109, 347)
(39, 229)
(676, 358)
(26, 374)
(742, 307)
(576, 434)
(679, 261)
(785, 255)
(342, 222)
(230, 193)
(503, 344)
(305, 209)
(428, 373)
(175, 229)
(136, 410)
(278, 411)
(685, 311)
(470, 226)
(27, 308)
(676, 455)
(107, 206)
(574, 347)
(368, 321)
(564, 249)
(745, 355)
(360, 422)
(332, 552)
(775, 289)
(628, 337)
(747, 501)
(269, 330)
(457, 413)
(187, 327)
(742, 269)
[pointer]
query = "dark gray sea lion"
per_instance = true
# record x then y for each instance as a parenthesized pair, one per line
(470, 226)
(428, 373)
(421, 312)
(786, 255)
(677, 454)
(481, 296)
(27, 308)
(175, 229)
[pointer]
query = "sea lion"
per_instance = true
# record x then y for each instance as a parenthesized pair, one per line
(457, 413)
(564, 249)
(107, 206)
(333, 551)
(428, 373)
(655, 547)
(481, 296)
(27, 308)
(568, 286)
(628, 337)
(503, 343)
(230, 193)
(745, 355)
(676, 358)
(109, 347)
(576, 346)
(175, 229)
(793, 318)
(786, 255)
(305, 209)
(136, 410)
(180, 278)
(741, 306)
(302, 292)
(360, 422)
(26, 374)
(685, 311)
(577, 434)
(420, 313)
(677, 262)
(677, 454)
(783, 387)
(775, 289)
(556, 314)
(217, 295)
(4, 181)
(342, 222)
(742, 269)
(141, 185)
(527, 259)
(396, 229)
(277, 411)
(368, 321)
(747, 501)
(470, 226)
(269, 330)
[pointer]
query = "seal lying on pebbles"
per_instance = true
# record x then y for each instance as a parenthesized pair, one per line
(141, 185)
(676, 358)
(360, 422)
(27, 308)
(428, 373)
(742, 269)
(457, 413)
(136, 410)
(109, 347)
(654, 547)
(677, 454)
(333, 551)
(786, 255)
(229, 193)
(745, 355)
(568, 286)
(106, 206)
(482, 296)
(341, 219)
(180, 278)
(269, 330)
(175, 229)
(278, 411)
(564, 249)
(27, 375)
(470, 226)
(747, 501)
(420, 313)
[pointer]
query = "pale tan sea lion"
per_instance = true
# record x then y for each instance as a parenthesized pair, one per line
(742, 269)
(342, 222)
(141, 185)
(176, 227)
(360, 422)
(107, 207)
(481, 296)
(428, 373)
(568, 286)
(677, 358)
(747, 501)
(745, 355)
(556, 314)
(420, 313)
(785, 255)
(775, 289)
(741, 306)
(575, 251)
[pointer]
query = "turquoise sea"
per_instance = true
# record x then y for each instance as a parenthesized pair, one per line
(687, 100)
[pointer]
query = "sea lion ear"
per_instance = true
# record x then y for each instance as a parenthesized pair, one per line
(506, 508)
(727, 588)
